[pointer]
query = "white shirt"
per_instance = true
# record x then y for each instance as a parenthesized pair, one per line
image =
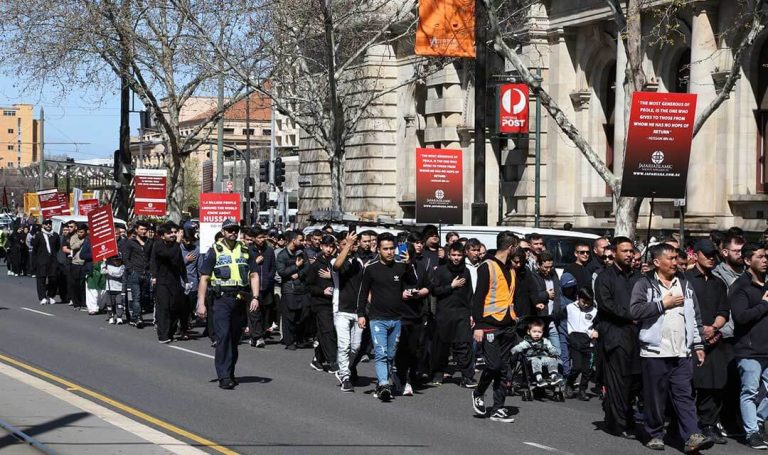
(472, 268)
(673, 340)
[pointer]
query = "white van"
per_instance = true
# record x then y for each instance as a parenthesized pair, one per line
(60, 220)
(561, 244)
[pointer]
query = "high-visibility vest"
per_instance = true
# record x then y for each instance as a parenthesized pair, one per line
(500, 297)
(231, 269)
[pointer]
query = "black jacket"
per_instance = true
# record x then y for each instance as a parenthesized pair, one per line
(45, 263)
(350, 276)
(582, 274)
(286, 267)
(454, 306)
(537, 293)
(267, 268)
(315, 284)
(416, 277)
(167, 264)
(135, 256)
(749, 312)
(613, 292)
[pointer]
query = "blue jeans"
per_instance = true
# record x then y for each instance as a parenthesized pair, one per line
(384, 335)
(138, 283)
(752, 372)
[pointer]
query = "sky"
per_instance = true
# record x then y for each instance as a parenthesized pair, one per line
(88, 118)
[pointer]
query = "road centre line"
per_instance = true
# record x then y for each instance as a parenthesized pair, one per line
(547, 448)
(119, 420)
(192, 352)
(36, 311)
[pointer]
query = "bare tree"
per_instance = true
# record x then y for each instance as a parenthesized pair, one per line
(322, 74)
(628, 16)
(92, 44)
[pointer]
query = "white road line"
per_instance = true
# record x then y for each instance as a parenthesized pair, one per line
(35, 311)
(547, 448)
(192, 352)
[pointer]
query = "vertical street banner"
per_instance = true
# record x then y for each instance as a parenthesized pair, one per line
(658, 144)
(86, 206)
(446, 28)
(513, 109)
(64, 203)
(439, 186)
(101, 229)
(50, 204)
(214, 209)
(150, 192)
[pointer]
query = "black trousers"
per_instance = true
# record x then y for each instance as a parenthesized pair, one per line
(186, 311)
(229, 319)
(709, 403)
(260, 320)
(462, 353)
(621, 386)
(76, 285)
(294, 318)
(580, 365)
(210, 328)
(496, 351)
(169, 303)
(61, 282)
(409, 352)
(327, 347)
(46, 287)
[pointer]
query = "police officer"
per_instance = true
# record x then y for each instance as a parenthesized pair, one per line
(234, 281)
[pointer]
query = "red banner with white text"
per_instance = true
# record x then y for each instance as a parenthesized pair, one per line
(50, 204)
(151, 193)
(101, 229)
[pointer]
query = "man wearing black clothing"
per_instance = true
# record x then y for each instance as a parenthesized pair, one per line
(134, 251)
(710, 379)
(166, 266)
(596, 261)
(45, 245)
(452, 286)
(410, 347)
(618, 340)
(320, 286)
(381, 299)
(292, 268)
(259, 321)
(494, 316)
(578, 268)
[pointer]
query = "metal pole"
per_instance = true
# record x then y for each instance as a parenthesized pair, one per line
(219, 186)
(272, 156)
(479, 206)
(247, 179)
(682, 225)
(648, 235)
(41, 165)
(537, 165)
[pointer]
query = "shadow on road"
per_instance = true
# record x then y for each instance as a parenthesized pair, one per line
(44, 427)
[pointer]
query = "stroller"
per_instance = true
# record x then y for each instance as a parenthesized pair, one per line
(523, 379)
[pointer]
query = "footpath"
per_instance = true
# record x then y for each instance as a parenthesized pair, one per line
(64, 423)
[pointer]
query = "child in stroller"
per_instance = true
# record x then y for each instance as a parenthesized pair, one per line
(537, 355)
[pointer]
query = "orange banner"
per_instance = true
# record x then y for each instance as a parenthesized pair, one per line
(446, 28)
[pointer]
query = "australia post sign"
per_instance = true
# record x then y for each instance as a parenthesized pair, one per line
(150, 187)
(658, 144)
(439, 186)
(513, 109)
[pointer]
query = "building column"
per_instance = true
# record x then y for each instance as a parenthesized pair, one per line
(701, 200)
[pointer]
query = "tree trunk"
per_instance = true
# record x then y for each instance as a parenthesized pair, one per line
(626, 214)
(176, 180)
(337, 181)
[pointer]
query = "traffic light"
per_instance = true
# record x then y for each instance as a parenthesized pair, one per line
(249, 184)
(262, 200)
(264, 172)
(279, 172)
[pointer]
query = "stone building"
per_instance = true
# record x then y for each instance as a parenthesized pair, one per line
(573, 45)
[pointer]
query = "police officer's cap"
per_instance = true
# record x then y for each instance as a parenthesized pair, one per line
(230, 224)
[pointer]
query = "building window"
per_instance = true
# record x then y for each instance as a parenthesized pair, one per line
(10, 164)
(266, 132)
(229, 131)
(9, 113)
(10, 130)
(10, 147)
(248, 132)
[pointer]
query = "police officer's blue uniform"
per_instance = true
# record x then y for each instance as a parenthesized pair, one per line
(229, 271)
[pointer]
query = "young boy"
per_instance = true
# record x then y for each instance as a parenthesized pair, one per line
(114, 270)
(582, 334)
(540, 352)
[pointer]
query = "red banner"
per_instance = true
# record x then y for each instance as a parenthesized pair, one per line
(64, 203)
(50, 204)
(151, 193)
(446, 28)
(513, 109)
(658, 144)
(85, 206)
(439, 186)
(214, 209)
(101, 228)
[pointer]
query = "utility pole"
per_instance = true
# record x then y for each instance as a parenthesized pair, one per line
(41, 165)
(479, 206)
(247, 180)
(272, 156)
(537, 162)
(125, 167)
(219, 186)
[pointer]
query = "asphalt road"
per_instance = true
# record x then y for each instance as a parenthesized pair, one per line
(281, 405)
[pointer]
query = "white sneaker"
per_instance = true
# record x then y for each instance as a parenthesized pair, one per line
(43, 301)
(119, 321)
(407, 390)
(111, 320)
(51, 301)
(10, 273)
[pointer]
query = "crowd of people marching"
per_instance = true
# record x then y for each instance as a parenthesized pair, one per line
(676, 332)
